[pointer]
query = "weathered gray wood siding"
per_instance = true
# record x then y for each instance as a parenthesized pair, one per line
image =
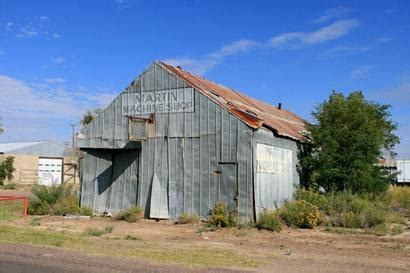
(184, 152)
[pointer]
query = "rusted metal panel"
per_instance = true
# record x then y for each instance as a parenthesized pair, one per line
(251, 111)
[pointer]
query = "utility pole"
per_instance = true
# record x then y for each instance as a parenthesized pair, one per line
(72, 134)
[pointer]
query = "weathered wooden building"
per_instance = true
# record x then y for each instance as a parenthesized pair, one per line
(174, 142)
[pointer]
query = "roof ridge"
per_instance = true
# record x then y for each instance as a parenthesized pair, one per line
(284, 122)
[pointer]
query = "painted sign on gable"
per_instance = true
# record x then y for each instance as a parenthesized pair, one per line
(163, 101)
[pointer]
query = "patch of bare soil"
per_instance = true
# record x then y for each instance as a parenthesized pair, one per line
(291, 250)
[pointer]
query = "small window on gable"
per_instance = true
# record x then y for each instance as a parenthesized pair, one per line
(137, 128)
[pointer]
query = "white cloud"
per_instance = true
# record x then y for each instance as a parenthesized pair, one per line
(124, 4)
(9, 26)
(399, 93)
(338, 51)
(331, 32)
(333, 13)
(291, 40)
(208, 61)
(55, 80)
(31, 30)
(58, 60)
(27, 31)
(32, 112)
(346, 50)
(362, 72)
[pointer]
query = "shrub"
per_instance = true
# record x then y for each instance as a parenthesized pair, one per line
(187, 218)
(373, 216)
(221, 217)
(348, 220)
(301, 214)
(98, 232)
(38, 207)
(400, 200)
(108, 229)
(66, 205)
(56, 200)
(313, 197)
(52, 194)
(131, 215)
(10, 186)
(396, 229)
(94, 232)
(268, 220)
(87, 211)
(347, 210)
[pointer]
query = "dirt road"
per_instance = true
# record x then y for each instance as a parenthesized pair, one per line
(65, 245)
(31, 259)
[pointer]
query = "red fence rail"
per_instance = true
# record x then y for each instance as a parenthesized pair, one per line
(24, 198)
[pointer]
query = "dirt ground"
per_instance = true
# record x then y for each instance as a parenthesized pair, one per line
(166, 247)
(291, 250)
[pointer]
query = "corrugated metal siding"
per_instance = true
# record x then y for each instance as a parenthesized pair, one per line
(272, 190)
(184, 152)
(109, 179)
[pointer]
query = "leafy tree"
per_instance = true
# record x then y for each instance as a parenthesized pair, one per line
(348, 137)
(7, 169)
(89, 116)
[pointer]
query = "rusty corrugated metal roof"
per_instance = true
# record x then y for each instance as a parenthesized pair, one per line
(253, 112)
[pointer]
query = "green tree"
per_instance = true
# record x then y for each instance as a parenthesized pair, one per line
(89, 116)
(7, 169)
(348, 137)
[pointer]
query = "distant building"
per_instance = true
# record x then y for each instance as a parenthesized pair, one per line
(174, 142)
(403, 170)
(44, 162)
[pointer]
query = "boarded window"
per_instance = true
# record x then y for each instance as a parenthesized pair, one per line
(137, 129)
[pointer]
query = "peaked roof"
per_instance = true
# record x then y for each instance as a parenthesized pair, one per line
(12, 146)
(253, 112)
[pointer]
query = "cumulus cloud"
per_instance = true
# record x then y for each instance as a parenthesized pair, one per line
(33, 112)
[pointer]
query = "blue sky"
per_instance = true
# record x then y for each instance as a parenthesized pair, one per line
(60, 58)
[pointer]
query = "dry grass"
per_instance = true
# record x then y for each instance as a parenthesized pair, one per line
(129, 246)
